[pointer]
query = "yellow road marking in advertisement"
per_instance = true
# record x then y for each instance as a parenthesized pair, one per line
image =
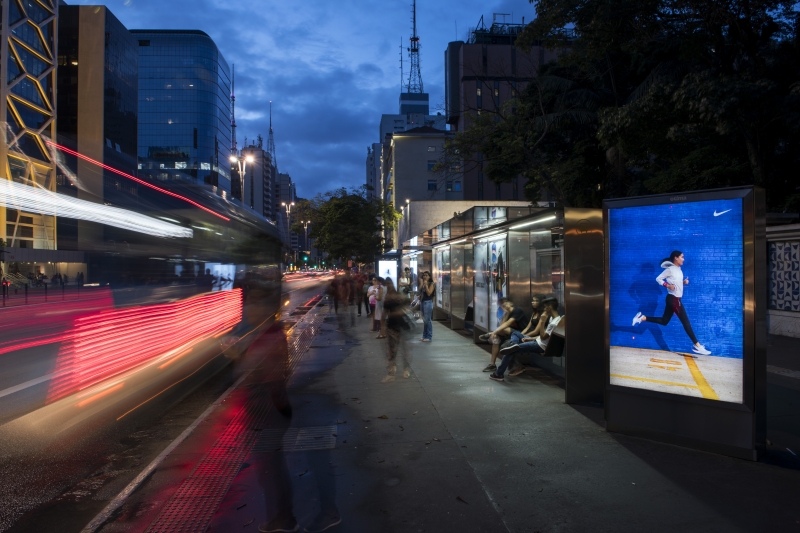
(665, 361)
(660, 382)
(699, 378)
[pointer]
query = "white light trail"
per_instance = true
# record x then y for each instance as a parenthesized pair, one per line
(22, 197)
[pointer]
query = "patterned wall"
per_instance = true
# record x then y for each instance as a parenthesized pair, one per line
(784, 276)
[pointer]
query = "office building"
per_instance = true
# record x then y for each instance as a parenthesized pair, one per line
(481, 76)
(98, 87)
(184, 108)
(258, 179)
(28, 48)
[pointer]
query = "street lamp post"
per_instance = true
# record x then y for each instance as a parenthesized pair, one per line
(241, 162)
(288, 207)
(305, 224)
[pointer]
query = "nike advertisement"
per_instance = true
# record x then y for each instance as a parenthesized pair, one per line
(676, 298)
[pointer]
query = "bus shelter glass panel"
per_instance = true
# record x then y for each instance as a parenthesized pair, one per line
(498, 281)
(482, 281)
(458, 302)
(441, 272)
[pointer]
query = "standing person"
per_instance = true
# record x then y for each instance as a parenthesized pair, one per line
(333, 291)
(672, 278)
(387, 283)
(427, 289)
(394, 306)
(523, 353)
(376, 300)
(345, 301)
(404, 284)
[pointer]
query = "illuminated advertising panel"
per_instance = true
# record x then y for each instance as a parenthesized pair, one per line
(676, 299)
(481, 268)
(498, 279)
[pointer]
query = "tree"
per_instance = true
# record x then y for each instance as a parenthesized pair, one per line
(347, 223)
(654, 96)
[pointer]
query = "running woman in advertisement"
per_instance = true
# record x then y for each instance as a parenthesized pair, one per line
(672, 278)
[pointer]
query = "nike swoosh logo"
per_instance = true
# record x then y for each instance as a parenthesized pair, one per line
(718, 214)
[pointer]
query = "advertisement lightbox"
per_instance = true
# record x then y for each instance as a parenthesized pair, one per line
(685, 290)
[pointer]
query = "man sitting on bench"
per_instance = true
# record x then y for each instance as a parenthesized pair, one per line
(513, 321)
(522, 353)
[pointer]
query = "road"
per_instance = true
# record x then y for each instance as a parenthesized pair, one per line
(55, 456)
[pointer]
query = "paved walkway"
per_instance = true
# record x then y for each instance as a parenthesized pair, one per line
(450, 450)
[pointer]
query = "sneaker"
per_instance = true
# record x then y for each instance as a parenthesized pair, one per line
(277, 525)
(323, 522)
(388, 379)
(637, 319)
(490, 368)
(406, 373)
(484, 337)
(509, 349)
(517, 371)
(699, 348)
(426, 340)
(493, 376)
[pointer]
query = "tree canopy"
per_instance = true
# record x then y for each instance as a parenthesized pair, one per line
(651, 96)
(346, 223)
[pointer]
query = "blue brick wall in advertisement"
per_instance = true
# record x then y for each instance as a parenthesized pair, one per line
(641, 237)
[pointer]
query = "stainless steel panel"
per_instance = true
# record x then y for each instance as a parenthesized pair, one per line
(584, 305)
(519, 269)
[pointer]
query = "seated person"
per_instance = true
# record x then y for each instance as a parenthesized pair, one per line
(536, 325)
(523, 352)
(513, 320)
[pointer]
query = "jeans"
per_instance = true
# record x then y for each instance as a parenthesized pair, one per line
(522, 356)
(427, 324)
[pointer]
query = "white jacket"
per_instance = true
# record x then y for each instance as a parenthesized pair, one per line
(672, 275)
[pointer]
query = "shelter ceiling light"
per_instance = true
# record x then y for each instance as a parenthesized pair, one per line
(552, 217)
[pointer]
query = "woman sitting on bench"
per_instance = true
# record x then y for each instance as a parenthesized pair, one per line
(523, 352)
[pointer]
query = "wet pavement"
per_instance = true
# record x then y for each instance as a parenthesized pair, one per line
(446, 450)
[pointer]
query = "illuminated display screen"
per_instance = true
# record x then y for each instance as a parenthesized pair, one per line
(676, 298)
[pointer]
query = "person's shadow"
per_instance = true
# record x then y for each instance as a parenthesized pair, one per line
(647, 295)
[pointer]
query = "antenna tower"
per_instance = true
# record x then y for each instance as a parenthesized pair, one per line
(271, 140)
(234, 151)
(402, 76)
(415, 76)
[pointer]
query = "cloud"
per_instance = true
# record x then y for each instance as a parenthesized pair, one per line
(330, 68)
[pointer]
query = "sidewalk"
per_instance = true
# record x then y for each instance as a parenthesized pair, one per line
(450, 450)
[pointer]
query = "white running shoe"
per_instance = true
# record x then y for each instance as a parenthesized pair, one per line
(699, 348)
(637, 319)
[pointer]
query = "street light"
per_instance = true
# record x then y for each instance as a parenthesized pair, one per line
(241, 162)
(288, 222)
(305, 224)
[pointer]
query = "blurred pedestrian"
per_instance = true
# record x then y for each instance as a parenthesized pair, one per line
(376, 301)
(397, 325)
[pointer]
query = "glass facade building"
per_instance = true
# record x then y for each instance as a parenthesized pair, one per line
(184, 107)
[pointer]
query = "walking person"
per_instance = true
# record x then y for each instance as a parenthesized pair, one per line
(394, 308)
(427, 290)
(361, 292)
(376, 300)
(387, 284)
(672, 278)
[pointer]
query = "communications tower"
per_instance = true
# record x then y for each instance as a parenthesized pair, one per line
(271, 140)
(414, 100)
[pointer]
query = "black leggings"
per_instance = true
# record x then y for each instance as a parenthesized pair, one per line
(674, 306)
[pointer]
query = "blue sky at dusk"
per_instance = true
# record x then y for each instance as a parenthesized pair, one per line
(330, 67)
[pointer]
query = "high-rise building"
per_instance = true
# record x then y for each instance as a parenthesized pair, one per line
(482, 75)
(28, 51)
(258, 179)
(184, 107)
(98, 87)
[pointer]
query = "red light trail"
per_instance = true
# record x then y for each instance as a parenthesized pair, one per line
(109, 343)
(134, 178)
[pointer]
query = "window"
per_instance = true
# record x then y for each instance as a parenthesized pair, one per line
(431, 185)
(449, 186)
(478, 91)
(431, 164)
(144, 42)
(431, 148)
(457, 186)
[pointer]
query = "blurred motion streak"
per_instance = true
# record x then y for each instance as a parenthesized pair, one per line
(134, 178)
(22, 197)
(111, 342)
(101, 394)
(48, 323)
